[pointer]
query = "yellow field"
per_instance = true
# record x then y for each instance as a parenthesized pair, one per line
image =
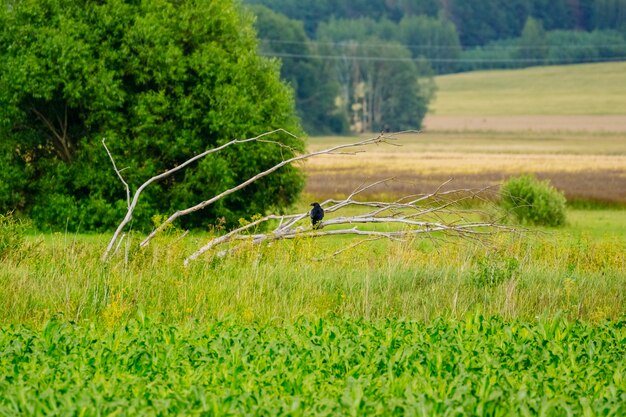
(585, 166)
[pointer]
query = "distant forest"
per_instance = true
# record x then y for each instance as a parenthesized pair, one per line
(363, 65)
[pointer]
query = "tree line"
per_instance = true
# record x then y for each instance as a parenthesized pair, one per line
(367, 65)
(477, 21)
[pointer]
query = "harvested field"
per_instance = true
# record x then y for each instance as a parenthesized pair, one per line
(600, 186)
(589, 167)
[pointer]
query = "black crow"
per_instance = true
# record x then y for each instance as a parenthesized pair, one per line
(317, 214)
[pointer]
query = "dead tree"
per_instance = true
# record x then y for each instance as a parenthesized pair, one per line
(414, 215)
(132, 204)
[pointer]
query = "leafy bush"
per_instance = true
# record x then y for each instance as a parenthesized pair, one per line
(533, 201)
(162, 81)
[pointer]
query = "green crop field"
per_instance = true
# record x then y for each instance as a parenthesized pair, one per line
(322, 367)
(587, 89)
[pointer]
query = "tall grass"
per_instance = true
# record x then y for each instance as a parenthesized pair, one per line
(541, 273)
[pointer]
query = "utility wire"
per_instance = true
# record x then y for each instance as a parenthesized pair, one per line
(468, 60)
(344, 44)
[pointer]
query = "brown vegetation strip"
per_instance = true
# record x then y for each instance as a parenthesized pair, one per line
(586, 166)
(596, 185)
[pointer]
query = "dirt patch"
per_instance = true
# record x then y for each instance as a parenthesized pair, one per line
(526, 123)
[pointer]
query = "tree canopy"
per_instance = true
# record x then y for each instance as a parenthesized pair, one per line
(161, 80)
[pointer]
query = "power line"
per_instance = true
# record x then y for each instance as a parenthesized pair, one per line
(343, 44)
(442, 60)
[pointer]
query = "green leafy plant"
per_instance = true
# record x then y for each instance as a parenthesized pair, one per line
(532, 201)
(492, 269)
(316, 367)
(11, 235)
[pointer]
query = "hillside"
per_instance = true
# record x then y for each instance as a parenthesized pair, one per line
(571, 90)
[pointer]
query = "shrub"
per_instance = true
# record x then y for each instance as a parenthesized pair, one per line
(11, 235)
(492, 269)
(533, 201)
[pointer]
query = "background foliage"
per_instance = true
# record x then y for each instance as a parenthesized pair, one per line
(341, 41)
(162, 81)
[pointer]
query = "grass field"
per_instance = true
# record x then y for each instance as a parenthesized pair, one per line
(511, 276)
(586, 90)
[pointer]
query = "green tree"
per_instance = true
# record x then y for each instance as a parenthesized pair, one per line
(383, 87)
(162, 80)
(433, 39)
(610, 14)
(556, 14)
(481, 21)
(533, 44)
(309, 76)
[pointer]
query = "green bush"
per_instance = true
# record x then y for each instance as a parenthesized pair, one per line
(162, 81)
(532, 201)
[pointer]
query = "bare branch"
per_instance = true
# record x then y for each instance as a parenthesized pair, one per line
(165, 174)
(410, 219)
(119, 243)
(432, 214)
(375, 140)
(62, 143)
(119, 174)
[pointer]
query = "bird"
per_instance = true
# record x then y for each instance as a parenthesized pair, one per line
(317, 214)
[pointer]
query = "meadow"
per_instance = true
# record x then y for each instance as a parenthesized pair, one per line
(523, 323)
(576, 271)
(572, 90)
